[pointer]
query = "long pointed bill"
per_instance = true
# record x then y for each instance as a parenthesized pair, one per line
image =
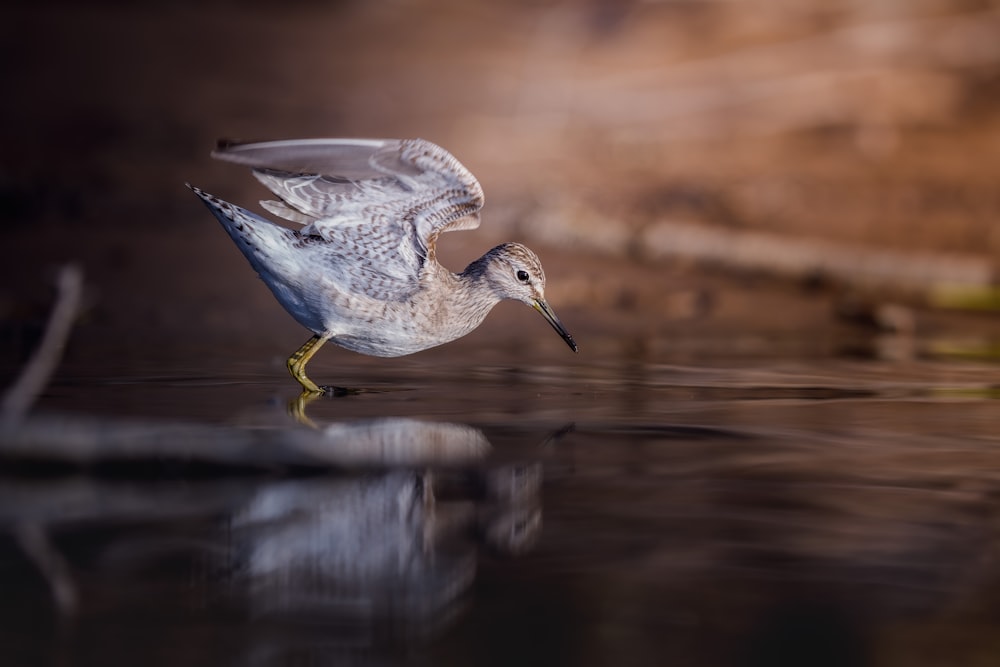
(550, 317)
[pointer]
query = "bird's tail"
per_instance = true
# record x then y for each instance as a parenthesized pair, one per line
(265, 244)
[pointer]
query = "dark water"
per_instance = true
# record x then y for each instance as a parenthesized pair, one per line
(807, 512)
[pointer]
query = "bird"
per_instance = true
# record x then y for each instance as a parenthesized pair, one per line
(362, 270)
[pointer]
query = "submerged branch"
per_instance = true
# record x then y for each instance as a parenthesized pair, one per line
(34, 541)
(36, 374)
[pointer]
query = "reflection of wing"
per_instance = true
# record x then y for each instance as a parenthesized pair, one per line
(361, 549)
(371, 196)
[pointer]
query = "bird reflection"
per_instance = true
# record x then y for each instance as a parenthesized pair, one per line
(395, 546)
(382, 549)
(374, 537)
(370, 546)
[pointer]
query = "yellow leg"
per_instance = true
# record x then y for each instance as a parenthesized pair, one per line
(297, 408)
(297, 364)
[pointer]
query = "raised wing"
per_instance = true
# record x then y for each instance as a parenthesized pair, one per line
(351, 190)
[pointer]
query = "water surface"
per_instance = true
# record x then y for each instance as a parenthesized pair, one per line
(734, 512)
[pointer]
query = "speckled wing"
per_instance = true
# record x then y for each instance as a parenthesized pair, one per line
(378, 200)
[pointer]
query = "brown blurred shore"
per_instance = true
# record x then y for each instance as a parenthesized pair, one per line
(685, 169)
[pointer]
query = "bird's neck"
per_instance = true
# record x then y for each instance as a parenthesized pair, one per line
(475, 279)
(474, 295)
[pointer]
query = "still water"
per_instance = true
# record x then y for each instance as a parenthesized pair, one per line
(816, 511)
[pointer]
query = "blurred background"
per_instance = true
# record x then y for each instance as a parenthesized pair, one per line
(681, 166)
(772, 227)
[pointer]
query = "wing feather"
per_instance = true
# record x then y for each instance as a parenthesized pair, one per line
(378, 204)
(330, 180)
(347, 158)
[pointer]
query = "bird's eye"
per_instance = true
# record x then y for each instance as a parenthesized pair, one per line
(522, 276)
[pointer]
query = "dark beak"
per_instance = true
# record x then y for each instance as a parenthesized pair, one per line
(550, 317)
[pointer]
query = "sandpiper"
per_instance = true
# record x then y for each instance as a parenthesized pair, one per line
(362, 271)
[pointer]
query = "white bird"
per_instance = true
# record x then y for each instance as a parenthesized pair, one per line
(362, 271)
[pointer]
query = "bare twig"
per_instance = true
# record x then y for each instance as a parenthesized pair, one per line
(33, 539)
(25, 390)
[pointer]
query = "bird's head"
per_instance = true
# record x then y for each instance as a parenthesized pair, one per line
(514, 272)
